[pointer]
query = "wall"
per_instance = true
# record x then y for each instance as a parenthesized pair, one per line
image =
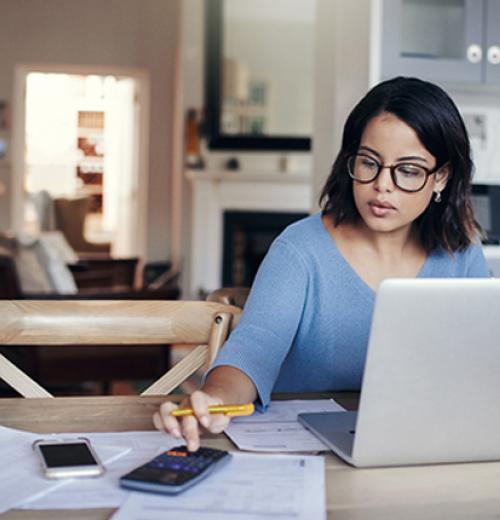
(341, 77)
(190, 88)
(191, 95)
(342, 66)
(124, 33)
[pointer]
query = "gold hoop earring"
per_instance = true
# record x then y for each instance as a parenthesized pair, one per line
(437, 196)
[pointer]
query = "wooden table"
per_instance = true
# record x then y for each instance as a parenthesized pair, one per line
(462, 491)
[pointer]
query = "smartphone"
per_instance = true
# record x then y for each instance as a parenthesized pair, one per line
(68, 458)
(175, 470)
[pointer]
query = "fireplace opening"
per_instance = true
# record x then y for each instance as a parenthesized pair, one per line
(247, 237)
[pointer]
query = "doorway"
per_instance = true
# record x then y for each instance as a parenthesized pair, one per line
(83, 135)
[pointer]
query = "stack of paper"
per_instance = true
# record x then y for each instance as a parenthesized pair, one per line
(250, 487)
(278, 429)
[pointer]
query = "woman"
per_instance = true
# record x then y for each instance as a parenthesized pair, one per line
(396, 204)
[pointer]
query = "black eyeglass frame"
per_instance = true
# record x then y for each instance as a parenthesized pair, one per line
(392, 168)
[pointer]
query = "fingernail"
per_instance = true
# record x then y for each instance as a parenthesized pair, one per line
(204, 421)
(176, 433)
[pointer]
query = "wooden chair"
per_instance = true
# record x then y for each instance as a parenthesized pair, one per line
(70, 217)
(205, 325)
(67, 369)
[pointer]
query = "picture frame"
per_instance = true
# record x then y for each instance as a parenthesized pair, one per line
(216, 128)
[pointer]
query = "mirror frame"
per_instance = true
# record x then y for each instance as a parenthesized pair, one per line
(213, 89)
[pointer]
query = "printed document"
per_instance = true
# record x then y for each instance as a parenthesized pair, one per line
(251, 487)
(278, 430)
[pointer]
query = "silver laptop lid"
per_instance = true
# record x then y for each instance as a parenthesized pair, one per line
(431, 386)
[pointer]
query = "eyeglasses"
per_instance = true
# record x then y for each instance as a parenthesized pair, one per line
(405, 175)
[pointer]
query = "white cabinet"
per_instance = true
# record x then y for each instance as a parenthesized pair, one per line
(441, 40)
(492, 42)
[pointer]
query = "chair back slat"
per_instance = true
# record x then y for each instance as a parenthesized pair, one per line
(114, 322)
(120, 322)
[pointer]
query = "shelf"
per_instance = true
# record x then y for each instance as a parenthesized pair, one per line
(247, 176)
(93, 133)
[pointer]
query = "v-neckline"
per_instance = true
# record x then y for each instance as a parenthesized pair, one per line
(360, 282)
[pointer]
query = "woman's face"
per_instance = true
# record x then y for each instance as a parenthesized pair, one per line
(381, 204)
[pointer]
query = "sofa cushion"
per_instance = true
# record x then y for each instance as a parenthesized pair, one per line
(41, 263)
(54, 262)
(32, 274)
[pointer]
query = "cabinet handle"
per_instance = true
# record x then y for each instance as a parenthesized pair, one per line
(494, 55)
(474, 53)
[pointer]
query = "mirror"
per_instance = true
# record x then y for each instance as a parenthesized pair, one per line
(259, 74)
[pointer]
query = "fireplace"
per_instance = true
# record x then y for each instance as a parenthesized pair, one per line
(247, 236)
(270, 200)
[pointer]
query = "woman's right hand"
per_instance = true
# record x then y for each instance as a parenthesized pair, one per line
(188, 426)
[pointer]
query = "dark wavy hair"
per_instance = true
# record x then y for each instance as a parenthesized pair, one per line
(427, 109)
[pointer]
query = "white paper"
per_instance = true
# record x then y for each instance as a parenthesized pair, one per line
(105, 490)
(19, 464)
(17, 461)
(278, 429)
(250, 487)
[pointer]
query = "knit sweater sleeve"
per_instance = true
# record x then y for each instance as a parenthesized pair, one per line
(270, 319)
(476, 266)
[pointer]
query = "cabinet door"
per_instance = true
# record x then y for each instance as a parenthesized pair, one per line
(492, 42)
(438, 40)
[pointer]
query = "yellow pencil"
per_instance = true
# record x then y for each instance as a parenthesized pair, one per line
(231, 410)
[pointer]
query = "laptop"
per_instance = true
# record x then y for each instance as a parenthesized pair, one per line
(431, 385)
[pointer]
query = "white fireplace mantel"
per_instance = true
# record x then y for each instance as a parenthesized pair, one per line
(214, 192)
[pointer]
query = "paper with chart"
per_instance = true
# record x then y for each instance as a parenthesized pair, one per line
(105, 491)
(278, 428)
(251, 487)
(18, 463)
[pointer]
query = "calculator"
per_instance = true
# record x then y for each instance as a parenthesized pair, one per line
(175, 470)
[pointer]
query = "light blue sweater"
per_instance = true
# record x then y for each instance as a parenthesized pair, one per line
(306, 322)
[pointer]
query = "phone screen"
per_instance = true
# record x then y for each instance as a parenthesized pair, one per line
(67, 454)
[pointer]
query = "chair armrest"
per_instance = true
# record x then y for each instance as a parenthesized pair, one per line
(165, 280)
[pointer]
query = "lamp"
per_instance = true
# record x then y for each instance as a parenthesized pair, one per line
(235, 80)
